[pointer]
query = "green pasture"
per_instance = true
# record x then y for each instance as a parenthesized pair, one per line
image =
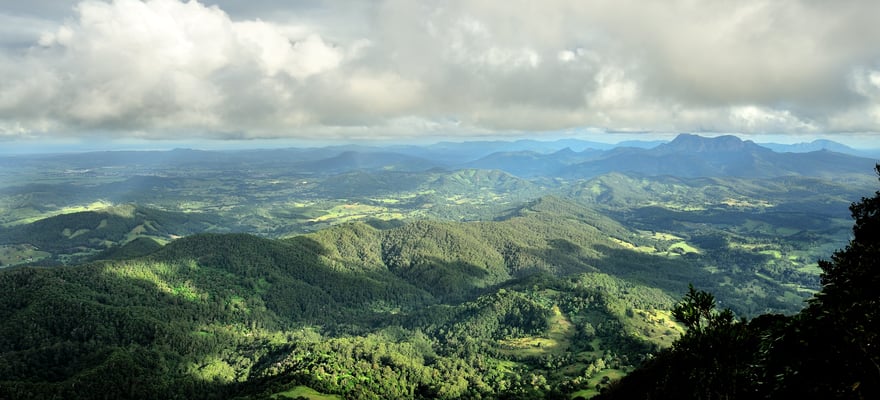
(307, 392)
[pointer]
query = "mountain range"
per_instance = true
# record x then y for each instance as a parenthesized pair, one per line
(687, 155)
(457, 270)
(695, 156)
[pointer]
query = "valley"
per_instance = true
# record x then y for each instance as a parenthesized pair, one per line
(444, 271)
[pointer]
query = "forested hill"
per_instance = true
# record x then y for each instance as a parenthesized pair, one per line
(406, 272)
(553, 298)
(828, 350)
(513, 308)
(72, 237)
(695, 156)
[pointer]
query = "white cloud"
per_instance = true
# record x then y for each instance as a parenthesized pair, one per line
(471, 42)
(161, 65)
(565, 56)
(613, 89)
(278, 53)
(166, 67)
(754, 119)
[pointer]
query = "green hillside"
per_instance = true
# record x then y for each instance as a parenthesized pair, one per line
(828, 350)
(552, 298)
(511, 307)
(385, 279)
(72, 237)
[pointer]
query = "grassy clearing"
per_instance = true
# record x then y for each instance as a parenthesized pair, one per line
(775, 254)
(14, 254)
(507, 366)
(585, 394)
(812, 268)
(746, 203)
(474, 199)
(193, 206)
(307, 392)
(70, 235)
(136, 231)
(655, 326)
(675, 206)
(630, 246)
(747, 246)
(683, 247)
(350, 212)
(603, 377)
(661, 236)
(387, 201)
(675, 249)
(556, 341)
(93, 206)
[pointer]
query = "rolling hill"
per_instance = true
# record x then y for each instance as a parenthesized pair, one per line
(493, 270)
(74, 236)
(437, 304)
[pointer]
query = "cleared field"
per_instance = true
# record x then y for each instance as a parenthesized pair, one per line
(660, 236)
(655, 326)
(15, 254)
(307, 392)
(679, 246)
(683, 247)
(556, 341)
(99, 205)
(630, 246)
(349, 212)
(603, 377)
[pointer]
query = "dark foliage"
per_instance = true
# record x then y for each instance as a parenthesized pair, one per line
(422, 310)
(829, 350)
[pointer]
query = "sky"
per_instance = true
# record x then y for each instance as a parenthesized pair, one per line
(231, 71)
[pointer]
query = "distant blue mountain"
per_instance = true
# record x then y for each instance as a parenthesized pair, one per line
(370, 160)
(642, 144)
(531, 163)
(696, 156)
(816, 145)
(687, 155)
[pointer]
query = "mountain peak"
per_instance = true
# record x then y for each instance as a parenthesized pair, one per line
(699, 144)
(565, 152)
(815, 145)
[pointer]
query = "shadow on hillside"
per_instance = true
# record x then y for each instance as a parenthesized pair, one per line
(669, 274)
(561, 257)
(185, 321)
(89, 332)
(564, 257)
(737, 285)
(450, 281)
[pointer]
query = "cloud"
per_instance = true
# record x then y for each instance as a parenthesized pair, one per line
(162, 66)
(165, 68)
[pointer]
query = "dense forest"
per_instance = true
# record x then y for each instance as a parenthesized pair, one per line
(828, 350)
(528, 306)
(375, 282)
(424, 310)
(422, 199)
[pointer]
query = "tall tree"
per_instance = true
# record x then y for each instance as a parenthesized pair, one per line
(834, 344)
(830, 350)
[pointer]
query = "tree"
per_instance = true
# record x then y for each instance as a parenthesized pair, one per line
(697, 311)
(831, 348)
(828, 351)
